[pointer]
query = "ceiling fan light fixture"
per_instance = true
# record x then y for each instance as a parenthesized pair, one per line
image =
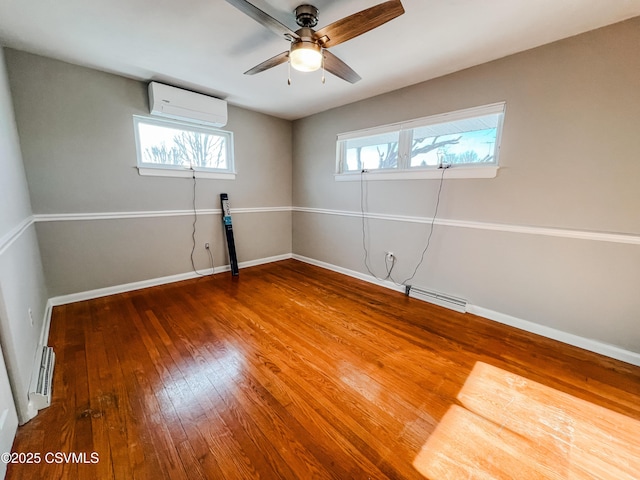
(308, 50)
(305, 56)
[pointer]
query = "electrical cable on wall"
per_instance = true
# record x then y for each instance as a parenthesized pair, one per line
(433, 221)
(389, 268)
(193, 233)
(363, 197)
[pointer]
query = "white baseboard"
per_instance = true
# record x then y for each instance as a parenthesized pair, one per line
(350, 273)
(46, 324)
(595, 346)
(153, 282)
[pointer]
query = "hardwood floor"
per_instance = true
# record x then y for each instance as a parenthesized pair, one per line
(294, 372)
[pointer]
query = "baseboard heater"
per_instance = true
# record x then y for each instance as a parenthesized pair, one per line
(437, 298)
(41, 398)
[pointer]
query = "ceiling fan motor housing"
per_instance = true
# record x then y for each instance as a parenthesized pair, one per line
(306, 16)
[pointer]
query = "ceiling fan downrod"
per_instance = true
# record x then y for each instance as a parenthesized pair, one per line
(306, 16)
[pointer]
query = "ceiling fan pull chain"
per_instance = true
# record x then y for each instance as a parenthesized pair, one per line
(322, 53)
(289, 65)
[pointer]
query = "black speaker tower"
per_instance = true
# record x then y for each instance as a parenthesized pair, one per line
(228, 228)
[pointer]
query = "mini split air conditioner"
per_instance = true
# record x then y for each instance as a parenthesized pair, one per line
(179, 104)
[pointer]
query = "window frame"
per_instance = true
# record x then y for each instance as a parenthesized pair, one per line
(167, 170)
(404, 170)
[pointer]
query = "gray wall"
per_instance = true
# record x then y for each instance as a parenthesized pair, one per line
(22, 284)
(569, 160)
(77, 139)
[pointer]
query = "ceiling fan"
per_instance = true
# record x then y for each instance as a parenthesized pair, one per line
(308, 47)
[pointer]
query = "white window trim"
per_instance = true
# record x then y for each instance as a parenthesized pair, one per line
(185, 173)
(404, 172)
(484, 171)
(163, 170)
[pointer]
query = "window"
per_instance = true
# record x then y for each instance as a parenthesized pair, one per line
(467, 140)
(172, 148)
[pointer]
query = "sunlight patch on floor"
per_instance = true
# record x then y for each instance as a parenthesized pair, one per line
(511, 427)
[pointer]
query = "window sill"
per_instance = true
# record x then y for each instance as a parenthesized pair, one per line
(171, 172)
(434, 173)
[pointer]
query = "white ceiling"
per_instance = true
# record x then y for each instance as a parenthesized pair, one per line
(206, 45)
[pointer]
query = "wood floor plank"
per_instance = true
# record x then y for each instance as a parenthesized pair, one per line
(233, 414)
(146, 449)
(307, 408)
(361, 418)
(295, 372)
(224, 355)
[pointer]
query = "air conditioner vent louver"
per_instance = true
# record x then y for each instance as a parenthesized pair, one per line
(437, 298)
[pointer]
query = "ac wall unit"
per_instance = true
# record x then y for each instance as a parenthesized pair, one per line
(179, 104)
(437, 298)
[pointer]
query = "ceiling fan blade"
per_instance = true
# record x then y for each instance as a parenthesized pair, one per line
(267, 64)
(340, 69)
(358, 23)
(263, 18)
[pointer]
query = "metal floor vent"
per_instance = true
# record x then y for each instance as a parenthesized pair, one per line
(437, 298)
(41, 398)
